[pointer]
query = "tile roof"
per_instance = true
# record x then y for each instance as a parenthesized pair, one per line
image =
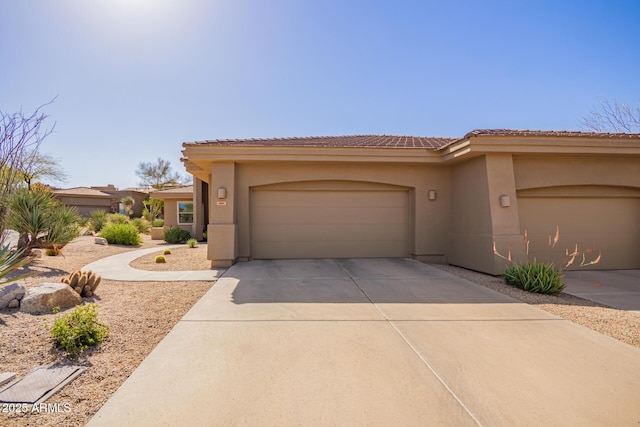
(560, 133)
(81, 191)
(181, 189)
(347, 141)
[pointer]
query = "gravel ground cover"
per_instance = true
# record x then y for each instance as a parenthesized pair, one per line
(140, 314)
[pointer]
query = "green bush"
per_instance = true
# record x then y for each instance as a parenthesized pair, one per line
(121, 234)
(176, 235)
(192, 243)
(141, 224)
(79, 329)
(158, 223)
(116, 218)
(98, 220)
(534, 277)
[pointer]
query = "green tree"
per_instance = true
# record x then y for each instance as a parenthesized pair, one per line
(159, 175)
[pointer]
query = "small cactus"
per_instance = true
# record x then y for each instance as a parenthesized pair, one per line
(160, 259)
(83, 282)
(74, 277)
(166, 252)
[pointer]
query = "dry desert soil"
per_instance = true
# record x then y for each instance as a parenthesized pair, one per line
(140, 314)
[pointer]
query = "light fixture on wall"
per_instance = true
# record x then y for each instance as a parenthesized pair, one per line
(222, 193)
(505, 201)
(431, 195)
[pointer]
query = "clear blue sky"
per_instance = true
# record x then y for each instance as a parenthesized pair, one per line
(136, 78)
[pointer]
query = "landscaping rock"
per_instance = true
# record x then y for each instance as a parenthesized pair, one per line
(14, 303)
(101, 241)
(88, 233)
(10, 292)
(44, 297)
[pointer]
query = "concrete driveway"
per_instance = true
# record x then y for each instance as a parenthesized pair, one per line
(374, 342)
(615, 288)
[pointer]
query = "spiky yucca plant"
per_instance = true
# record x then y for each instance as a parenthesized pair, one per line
(11, 261)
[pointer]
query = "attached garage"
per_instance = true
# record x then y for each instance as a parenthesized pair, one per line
(606, 223)
(329, 223)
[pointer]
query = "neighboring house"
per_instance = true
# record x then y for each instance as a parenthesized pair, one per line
(433, 199)
(178, 208)
(86, 200)
(138, 194)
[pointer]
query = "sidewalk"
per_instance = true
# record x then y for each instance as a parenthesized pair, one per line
(117, 267)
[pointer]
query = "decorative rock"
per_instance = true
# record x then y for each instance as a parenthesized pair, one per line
(14, 303)
(44, 297)
(101, 241)
(87, 233)
(10, 292)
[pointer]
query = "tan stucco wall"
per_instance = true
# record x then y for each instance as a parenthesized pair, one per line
(231, 223)
(170, 211)
(470, 179)
(477, 219)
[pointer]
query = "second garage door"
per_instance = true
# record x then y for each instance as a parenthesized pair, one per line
(329, 224)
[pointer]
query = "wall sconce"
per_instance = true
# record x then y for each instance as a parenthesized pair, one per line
(431, 195)
(222, 193)
(505, 201)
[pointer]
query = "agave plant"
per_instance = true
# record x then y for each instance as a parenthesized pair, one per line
(10, 261)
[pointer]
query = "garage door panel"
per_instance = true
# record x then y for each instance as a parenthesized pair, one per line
(357, 199)
(330, 232)
(329, 224)
(344, 249)
(330, 215)
(611, 226)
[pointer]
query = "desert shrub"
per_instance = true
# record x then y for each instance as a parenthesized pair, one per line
(176, 235)
(141, 224)
(535, 277)
(116, 218)
(158, 223)
(98, 220)
(167, 252)
(41, 221)
(79, 329)
(63, 226)
(121, 234)
(160, 259)
(192, 243)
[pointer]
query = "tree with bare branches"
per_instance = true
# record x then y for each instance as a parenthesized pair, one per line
(613, 116)
(159, 175)
(42, 167)
(20, 137)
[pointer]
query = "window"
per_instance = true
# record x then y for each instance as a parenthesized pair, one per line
(185, 212)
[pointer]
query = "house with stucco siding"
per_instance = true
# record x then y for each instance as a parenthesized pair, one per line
(447, 200)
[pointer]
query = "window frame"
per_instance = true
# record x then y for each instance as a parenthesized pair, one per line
(178, 212)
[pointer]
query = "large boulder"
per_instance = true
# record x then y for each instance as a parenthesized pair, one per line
(44, 297)
(13, 291)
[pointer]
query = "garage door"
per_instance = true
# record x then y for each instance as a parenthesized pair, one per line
(329, 224)
(610, 225)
